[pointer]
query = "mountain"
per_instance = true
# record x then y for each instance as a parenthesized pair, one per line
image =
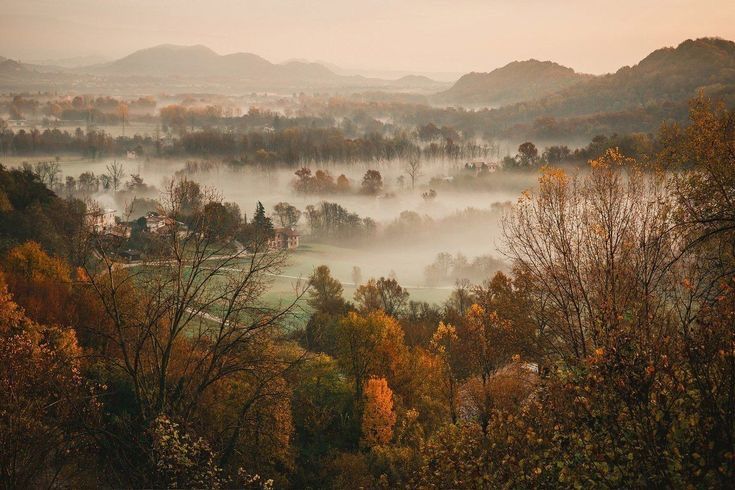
(199, 61)
(515, 82)
(666, 77)
(633, 99)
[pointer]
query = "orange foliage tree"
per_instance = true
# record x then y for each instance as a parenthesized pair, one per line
(378, 417)
(45, 403)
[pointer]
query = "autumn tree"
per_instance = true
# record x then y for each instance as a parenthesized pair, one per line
(443, 346)
(592, 250)
(527, 154)
(382, 294)
(621, 303)
(372, 182)
(370, 345)
(378, 417)
(46, 404)
(704, 154)
(40, 283)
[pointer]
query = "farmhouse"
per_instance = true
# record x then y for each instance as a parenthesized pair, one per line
(100, 220)
(156, 223)
(284, 239)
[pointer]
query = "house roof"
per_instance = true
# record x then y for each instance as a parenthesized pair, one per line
(286, 231)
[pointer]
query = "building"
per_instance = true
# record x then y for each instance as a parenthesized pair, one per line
(100, 220)
(284, 239)
(157, 223)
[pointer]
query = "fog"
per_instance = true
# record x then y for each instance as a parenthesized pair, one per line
(463, 221)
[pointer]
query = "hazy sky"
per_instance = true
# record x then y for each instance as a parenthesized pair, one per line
(417, 35)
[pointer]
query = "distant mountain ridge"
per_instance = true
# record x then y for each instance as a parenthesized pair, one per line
(514, 82)
(666, 76)
(200, 61)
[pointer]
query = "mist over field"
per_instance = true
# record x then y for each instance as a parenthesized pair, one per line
(462, 221)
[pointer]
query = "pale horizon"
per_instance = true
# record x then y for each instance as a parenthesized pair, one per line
(431, 36)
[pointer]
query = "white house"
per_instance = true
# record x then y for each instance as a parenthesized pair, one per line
(100, 220)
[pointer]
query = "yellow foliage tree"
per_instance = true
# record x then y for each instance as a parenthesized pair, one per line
(371, 345)
(378, 417)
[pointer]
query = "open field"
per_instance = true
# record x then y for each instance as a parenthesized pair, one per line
(341, 260)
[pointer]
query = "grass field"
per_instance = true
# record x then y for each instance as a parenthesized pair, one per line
(340, 261)
(284, 287)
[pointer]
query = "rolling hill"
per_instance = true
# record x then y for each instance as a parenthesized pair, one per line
(635, 98)
(667, 75)
(515, 82)
(199, 61)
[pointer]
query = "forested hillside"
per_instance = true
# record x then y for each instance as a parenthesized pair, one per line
(516, 82)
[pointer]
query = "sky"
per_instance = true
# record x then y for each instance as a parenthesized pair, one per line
(422, 36)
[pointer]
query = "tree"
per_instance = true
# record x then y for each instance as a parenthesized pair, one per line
(287, 214)
(704, 194)
(370, 345)
(46, 404)
(556, 154)
(325, 297)
(621, 305)
(383, 294)
(186, 200)
(40, 283)
(223, 219)
(136, 184)
(413, 169)
(325, 292)
(48, 172)
(372, 182)
(378, 417)
(322, 418)
(181, 461)
(443, 345)
(115, 175)
(260, 229)
(528, 154)
(593, 255)
(193, 313)
(122, 112)
(343, 184)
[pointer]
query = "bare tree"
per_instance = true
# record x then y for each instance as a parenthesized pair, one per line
(115, 174)
(192, 316)
(593, 250)
(48, 172)
(413, 169)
